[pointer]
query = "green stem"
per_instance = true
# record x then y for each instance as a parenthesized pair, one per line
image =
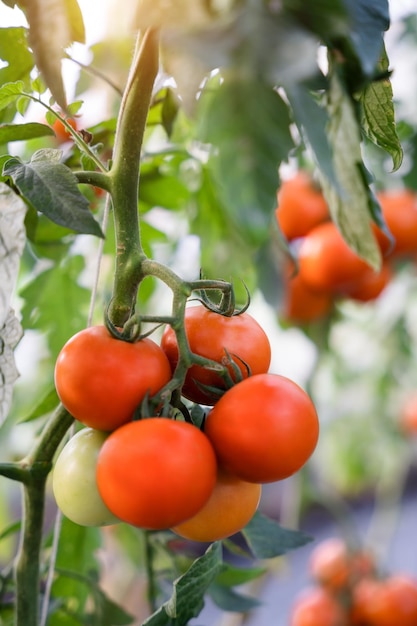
(152, 589)
(36, 467)
(125, 177)
(98, 179)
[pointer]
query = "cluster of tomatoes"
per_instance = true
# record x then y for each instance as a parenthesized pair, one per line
(349, 592)
(328, 269)
(158, 469)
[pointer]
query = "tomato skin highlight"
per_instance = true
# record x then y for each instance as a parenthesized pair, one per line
(156, 472)
(263, 429)
(74, 480)
(101, 380)
(230, 507)
(210, 335)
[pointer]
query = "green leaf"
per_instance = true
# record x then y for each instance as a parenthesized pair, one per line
(187, 599)
(352, 208)
(10, 92)
(378, 116)
(11, 529)
(249, 125)
(267, 539)
(14, 50)
(23, 132)
(55, 303)
(51, 188)
(231, 576)
(48, 403)
(75, 21)
(230, 600)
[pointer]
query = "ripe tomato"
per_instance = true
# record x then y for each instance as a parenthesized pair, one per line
(317, 607)
(388, 602)
(301, 206)
(370, 285)
(302, 304)
(212, 335)
(156, 473)
(399, 209)
(408, 415)
(101, 380)
(230, 507)
(62, 134)
(74, 480)
(326, 261)
(263, 429)
(335, 566)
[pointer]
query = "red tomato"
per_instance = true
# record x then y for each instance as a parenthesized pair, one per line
(317, 607)
(399, 209)
(263, 429)
(408, 415)
(370, 285)
(388, 602)
(301, 206)
(62, 134)
(101, 380)
(155, 473)
(302, 304)
(230, 507)
(326, 262)
(212, 335)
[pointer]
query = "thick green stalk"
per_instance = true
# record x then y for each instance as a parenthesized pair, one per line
(125, 176)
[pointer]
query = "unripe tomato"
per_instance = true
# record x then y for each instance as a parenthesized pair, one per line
(263, 429)
(74, 480)
(230, 507)
(101, 380)
(326, 262)
(212, 336)
(317, 607)
(301, 206)
(156, 472)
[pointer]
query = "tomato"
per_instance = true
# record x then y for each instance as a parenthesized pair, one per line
(101, 380)
(326, 262)
(370, 285)
(388, 602)
(301, 206)
(399, 209)
(302, 304)
(156, 472)
(335, 566)
(212, 335)
(263, 429)
(408, 415)
(317, 607)
(74, 480)
(230, 507)
(62, 134)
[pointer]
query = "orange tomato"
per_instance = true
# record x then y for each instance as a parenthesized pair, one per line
(230, 507)
(408, 415)
(389, 602)
(317, 607)
(370, 285)
(62, 133)
(335, 566)
(399, 209)
(326, 261)
(301, 206)
(302, 304)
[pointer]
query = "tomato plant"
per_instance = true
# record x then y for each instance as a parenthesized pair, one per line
(102, 380)
(74, 480)
(231, 505)
(224, 339)
(155, 473)
(263, 429)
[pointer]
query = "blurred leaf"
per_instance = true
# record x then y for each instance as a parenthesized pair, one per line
(267, 539)
(352, 208)
(10, 335)
(187, 599)
(49, 240)
(378, 117)
(75, 20)
(13, 528)
(10, 92)
(51, 188)
(55, 303)
(231, 576)
(47, 404)
(23, 132)
(49, 34)
(230, 600)
(249, 125)
(14, 51)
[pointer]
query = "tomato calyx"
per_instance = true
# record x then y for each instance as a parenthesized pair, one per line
(227, 303)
